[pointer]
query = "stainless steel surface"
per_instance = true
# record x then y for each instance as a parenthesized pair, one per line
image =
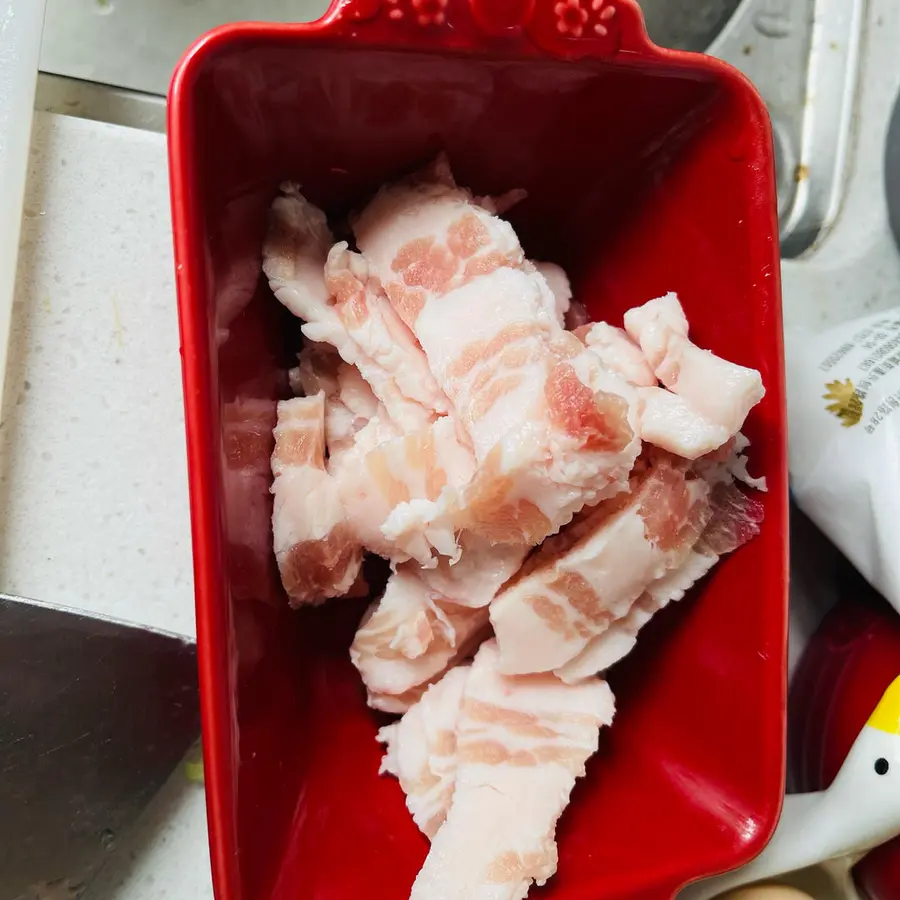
(892, 172)
(135, 44)
(804, 57)
(686, 24)
(100, 102)
(94, 716)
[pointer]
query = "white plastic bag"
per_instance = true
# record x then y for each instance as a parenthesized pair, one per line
(843, 390)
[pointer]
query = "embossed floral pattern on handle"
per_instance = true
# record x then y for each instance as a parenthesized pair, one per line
(569, 28)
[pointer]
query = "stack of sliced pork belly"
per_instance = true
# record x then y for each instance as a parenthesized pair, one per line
(539, 492)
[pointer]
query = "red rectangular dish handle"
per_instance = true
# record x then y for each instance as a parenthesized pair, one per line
(559, 28)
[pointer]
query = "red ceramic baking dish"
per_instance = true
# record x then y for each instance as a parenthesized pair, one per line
(646, 171)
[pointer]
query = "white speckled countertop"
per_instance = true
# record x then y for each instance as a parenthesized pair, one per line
(93, 437)
(93, 480)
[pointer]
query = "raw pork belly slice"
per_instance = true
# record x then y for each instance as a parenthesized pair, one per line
(722, 392)
(479, 574)
(551, 430)
(421, 750)
(735, 519)
(669, 422)
(375, 477)
(619, 638)
(575, 584)
(424, 236)
(317, 553)
(490, 346)
(378, 331)
(524, 491)
(729, 464)
(341, 310)
(349, 402)
(618, 353)
(409, 638)
(665, 419)
(521, 744)
(294, 254)
(560, 289)
(547, 436)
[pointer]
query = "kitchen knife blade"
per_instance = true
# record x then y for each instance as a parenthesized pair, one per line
(95, 714)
